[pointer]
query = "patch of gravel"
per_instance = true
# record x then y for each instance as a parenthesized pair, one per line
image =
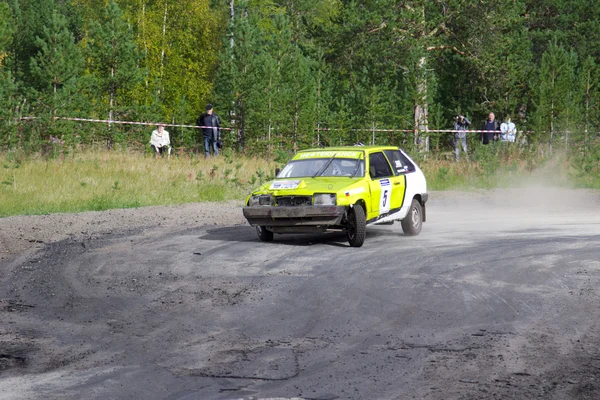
(19, 234)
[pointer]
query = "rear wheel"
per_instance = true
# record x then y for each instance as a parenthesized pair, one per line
(412, 223)
(264, 234)
(356, 226)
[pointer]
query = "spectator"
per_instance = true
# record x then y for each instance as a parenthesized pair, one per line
(491, 127)
(460, 135)
(160, 141)
(211, 130)
(509, 131)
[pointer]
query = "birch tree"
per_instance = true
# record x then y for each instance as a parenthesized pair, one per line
(180, 43)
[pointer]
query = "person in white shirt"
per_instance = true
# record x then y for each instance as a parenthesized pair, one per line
(508, 131)
(160, 140)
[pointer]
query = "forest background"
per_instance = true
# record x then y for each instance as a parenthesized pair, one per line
(290, 74)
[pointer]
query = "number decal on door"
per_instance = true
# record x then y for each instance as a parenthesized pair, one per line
(386, 194)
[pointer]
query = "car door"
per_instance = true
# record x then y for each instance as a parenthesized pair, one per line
(401, 167)
(380, 185)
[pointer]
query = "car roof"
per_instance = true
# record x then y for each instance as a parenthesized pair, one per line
(368, 149)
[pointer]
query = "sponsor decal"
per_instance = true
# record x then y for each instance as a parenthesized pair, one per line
(328, 154)
(278, 185)
(355, 191)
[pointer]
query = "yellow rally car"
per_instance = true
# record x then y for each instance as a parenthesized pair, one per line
(343, 188)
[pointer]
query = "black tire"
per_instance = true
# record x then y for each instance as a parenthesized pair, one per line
(264, 234)
(357, 226)
(413, 222)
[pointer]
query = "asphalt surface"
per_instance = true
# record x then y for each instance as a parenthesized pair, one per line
(490, 301)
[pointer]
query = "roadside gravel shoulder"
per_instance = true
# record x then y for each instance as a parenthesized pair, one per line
(20, 234)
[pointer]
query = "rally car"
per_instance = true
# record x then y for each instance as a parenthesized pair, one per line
(340, 188)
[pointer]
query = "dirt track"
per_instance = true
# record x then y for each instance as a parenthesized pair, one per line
(497, 298)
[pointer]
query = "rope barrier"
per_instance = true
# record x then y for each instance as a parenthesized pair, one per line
(106, 121)
(127, 122)
(415, 130)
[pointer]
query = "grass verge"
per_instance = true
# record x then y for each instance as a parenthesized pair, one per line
(102, 180)
(106, 180)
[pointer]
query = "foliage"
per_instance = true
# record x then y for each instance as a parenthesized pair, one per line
(291, 74)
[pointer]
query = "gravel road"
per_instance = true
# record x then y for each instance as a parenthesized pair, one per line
(497, 298)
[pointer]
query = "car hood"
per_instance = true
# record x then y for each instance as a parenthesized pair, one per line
(300, 186)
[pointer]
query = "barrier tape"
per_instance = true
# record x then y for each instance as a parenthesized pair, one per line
(415, 130)
(127, 122)
(369, 130)
(106, 121)
(468, 131)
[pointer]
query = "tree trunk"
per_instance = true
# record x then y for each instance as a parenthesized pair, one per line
(231, 15)
(270, 111)
(420, 114)
(142, 22)
(163, 45)
(552, 113)
(420, 109)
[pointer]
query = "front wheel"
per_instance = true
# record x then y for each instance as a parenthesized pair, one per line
(356, 226)
(264, 234)
(412, 223)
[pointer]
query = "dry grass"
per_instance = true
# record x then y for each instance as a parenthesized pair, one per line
(104, 180)
(100, 180)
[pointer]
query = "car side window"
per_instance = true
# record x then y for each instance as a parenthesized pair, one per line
(399, 162)
(407, 162)
(379, 166)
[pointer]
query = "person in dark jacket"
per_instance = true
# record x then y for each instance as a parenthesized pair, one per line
(211, 130)
(461, 123)
(492, 126)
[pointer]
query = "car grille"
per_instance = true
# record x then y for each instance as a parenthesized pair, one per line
(293, 201)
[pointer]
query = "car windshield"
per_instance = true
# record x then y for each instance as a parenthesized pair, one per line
(314, 166)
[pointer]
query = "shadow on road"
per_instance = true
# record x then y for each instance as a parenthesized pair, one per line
(248, 234)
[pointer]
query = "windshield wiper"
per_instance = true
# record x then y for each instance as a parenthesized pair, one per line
(324, 167)
(355, 169)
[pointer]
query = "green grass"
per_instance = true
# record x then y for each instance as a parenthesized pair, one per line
(107, 180)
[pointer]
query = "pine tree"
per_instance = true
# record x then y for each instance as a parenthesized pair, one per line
(7, 85)
(113, 60)
(556, 81)
(240, 72)
(6, 31)
(58, 64)
(589, 86)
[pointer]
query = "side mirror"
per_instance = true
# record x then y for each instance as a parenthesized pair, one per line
(277, 171)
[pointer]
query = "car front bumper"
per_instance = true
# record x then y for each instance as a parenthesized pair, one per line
(294, 216)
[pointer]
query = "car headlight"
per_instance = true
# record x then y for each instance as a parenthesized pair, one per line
(260, 200)
(324, 199)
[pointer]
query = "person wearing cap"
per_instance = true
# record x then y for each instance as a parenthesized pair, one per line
(211, 130)
(160, 141)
